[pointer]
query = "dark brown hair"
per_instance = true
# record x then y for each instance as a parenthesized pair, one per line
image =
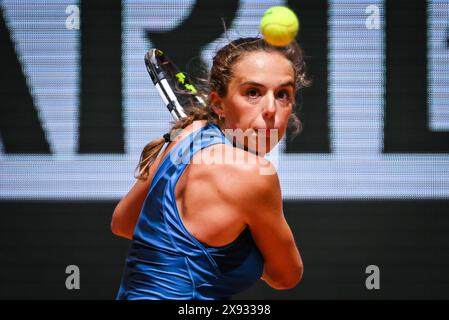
(219, 77)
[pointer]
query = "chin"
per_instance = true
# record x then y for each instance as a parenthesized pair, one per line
(262, 149)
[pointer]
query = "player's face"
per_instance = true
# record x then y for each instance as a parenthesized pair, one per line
(260, 97)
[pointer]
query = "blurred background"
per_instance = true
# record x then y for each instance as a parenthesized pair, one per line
(366, 182)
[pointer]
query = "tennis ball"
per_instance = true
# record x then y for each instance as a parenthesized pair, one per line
(279, 26)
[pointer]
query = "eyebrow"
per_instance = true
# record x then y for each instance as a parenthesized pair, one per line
(256, 84)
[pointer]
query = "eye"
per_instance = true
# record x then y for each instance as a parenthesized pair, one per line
(283, 95)
(252, 93)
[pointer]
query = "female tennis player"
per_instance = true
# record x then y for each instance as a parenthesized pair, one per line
(202, 226)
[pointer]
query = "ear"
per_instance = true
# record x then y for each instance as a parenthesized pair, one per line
(216, 103)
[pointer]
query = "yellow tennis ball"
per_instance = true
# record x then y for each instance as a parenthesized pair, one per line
(279, 26)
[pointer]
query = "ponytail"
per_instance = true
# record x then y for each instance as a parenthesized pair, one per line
(152, 149)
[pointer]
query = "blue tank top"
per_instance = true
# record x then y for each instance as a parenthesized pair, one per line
(165, 261)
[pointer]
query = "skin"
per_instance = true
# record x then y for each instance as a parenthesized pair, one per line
(260, 95)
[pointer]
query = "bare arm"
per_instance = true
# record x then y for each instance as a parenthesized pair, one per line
(127, 211)
(262, 200)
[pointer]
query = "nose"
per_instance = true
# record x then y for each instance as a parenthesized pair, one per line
(269, 107)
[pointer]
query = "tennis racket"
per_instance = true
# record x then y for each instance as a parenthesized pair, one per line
(173, 86)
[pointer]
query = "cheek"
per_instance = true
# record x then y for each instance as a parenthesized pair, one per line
(239, 110)
(285, 113)
(283, 117)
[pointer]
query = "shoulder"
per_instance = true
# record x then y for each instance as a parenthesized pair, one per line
(239, 176)
(223, 159)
